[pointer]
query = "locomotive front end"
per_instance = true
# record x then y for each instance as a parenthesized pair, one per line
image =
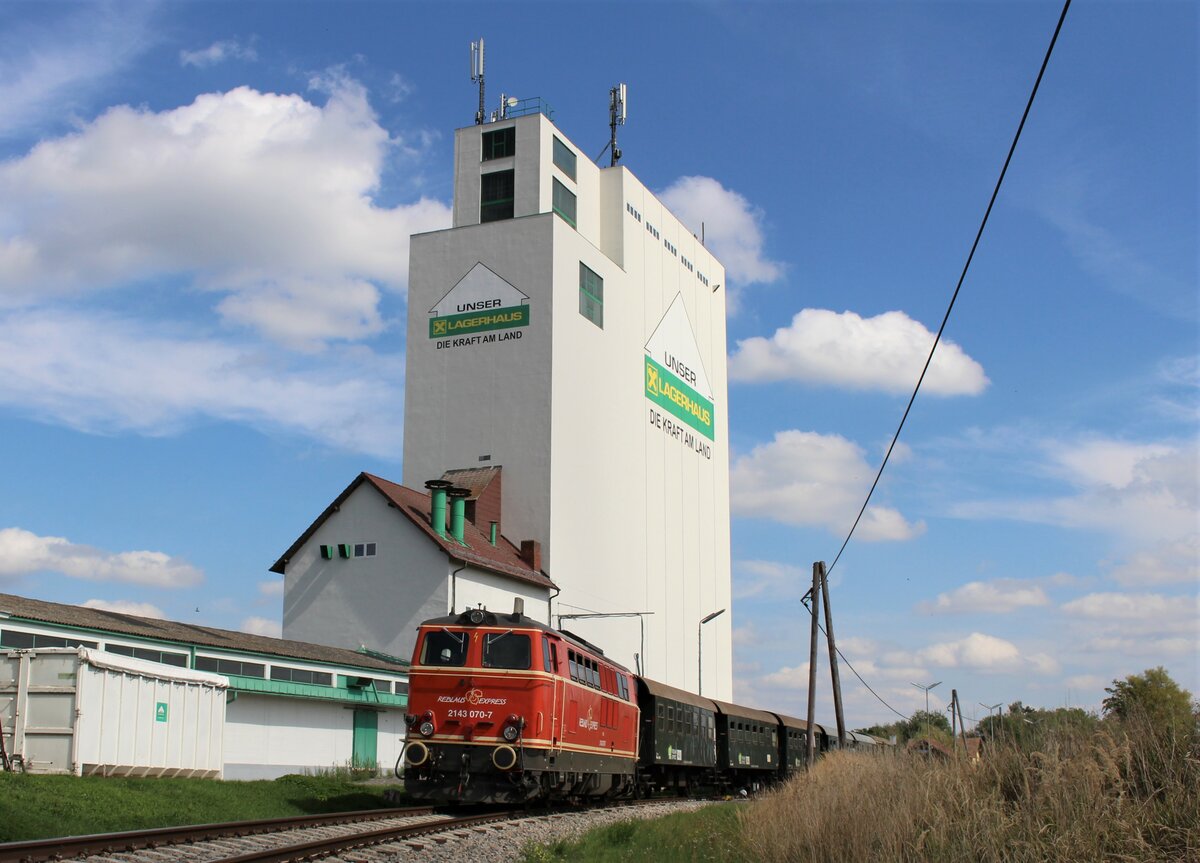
(479, 704)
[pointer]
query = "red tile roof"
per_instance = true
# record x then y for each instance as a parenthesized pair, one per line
(503, 558)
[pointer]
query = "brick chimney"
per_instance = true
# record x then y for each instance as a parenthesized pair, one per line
(531, 553)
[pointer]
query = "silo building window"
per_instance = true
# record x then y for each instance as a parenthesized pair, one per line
(496, 196)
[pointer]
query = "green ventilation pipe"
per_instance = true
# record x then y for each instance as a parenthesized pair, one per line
(492, 535)
(458, 511)
(437, 493)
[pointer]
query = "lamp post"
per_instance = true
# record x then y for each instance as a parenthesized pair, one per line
(700, 650)
(927, 688)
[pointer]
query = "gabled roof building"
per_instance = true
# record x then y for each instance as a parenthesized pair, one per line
(382, 557)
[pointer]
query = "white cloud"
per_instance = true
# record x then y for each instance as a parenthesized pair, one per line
(884, 353)
(101, 374)
(23, 552)
(271, 589)
(47, 68)
(1162, 611)
(265, 199)
(1170, 563)
(997, 597)
(126, 606)
(1147, 494)
(805, 478)
(218, 52)
(732, 227)
(756, 577)
(262, 626)
(985, 653)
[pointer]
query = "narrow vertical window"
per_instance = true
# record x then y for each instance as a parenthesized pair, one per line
(564, 202)
(564, 158)
(591, 295)
(496, 196)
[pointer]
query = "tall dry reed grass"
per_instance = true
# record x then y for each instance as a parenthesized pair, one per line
(1118, 793)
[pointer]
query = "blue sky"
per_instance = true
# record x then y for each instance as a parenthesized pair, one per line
(204, 212)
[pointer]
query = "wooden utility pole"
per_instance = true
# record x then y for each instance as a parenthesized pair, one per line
(953, 720)
(833, 663)
(811, 753)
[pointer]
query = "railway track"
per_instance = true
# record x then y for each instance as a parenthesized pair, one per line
(279, 840)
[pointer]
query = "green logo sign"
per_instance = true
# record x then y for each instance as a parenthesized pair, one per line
(160, 712)
(445, 326)
(669, 392)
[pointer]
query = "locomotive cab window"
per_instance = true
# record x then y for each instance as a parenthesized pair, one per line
(444, 648)
(506, 650)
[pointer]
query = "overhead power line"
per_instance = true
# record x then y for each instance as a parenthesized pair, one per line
(961, 279)
(937, 339)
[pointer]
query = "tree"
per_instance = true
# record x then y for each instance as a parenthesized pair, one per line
(1152, 696)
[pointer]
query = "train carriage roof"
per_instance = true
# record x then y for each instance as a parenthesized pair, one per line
(793, 722)
(661, 690)
(747, 712)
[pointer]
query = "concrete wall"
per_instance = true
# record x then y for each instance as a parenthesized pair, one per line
(466, 401)
(269, 736)
(374, 601)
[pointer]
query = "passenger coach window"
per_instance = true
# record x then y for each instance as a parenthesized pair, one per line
(506, 650)
(444, 648)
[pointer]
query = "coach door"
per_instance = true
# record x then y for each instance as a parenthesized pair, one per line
(557, 692)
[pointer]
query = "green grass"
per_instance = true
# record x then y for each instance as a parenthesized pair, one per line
(711, 833)
(42, 807)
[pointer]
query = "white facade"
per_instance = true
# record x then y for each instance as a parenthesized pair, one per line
(89, 708)
(61, 708)
(380, 600)
(267, 736)
(627, 491)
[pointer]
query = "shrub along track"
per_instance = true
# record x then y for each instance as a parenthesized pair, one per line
(278, 840)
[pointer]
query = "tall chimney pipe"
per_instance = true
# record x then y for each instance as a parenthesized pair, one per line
(458, 511)
(437, 512)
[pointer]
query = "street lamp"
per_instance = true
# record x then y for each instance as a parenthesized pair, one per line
(927, 688)
(700, 650)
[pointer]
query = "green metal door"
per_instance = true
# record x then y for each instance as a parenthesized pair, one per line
(366, 728)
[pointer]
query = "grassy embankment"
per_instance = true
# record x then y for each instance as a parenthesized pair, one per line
(1107, 793)
(41, 807)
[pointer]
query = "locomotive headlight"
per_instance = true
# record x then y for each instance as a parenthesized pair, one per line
(427, 727)
(512, 727)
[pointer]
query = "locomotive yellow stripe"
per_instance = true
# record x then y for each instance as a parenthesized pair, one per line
(530, 743)
(521, 674)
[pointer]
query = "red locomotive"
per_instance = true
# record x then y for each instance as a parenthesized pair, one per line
(503, 709)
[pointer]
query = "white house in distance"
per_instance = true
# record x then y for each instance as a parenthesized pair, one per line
(382, 558)
(571, 329)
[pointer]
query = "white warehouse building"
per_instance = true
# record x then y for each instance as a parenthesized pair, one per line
(285, 706)
(569, 328)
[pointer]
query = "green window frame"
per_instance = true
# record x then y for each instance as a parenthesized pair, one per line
(499, 143)
(564, 158)
(591, 295)
(564, 202)
(496, 195)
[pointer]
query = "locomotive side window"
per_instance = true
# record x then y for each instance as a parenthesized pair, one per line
(444, 648)
(546, 654)
(506, 650)
(573, 664)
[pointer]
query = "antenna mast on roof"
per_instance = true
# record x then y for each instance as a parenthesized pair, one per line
(477, 75)
(616, 117)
